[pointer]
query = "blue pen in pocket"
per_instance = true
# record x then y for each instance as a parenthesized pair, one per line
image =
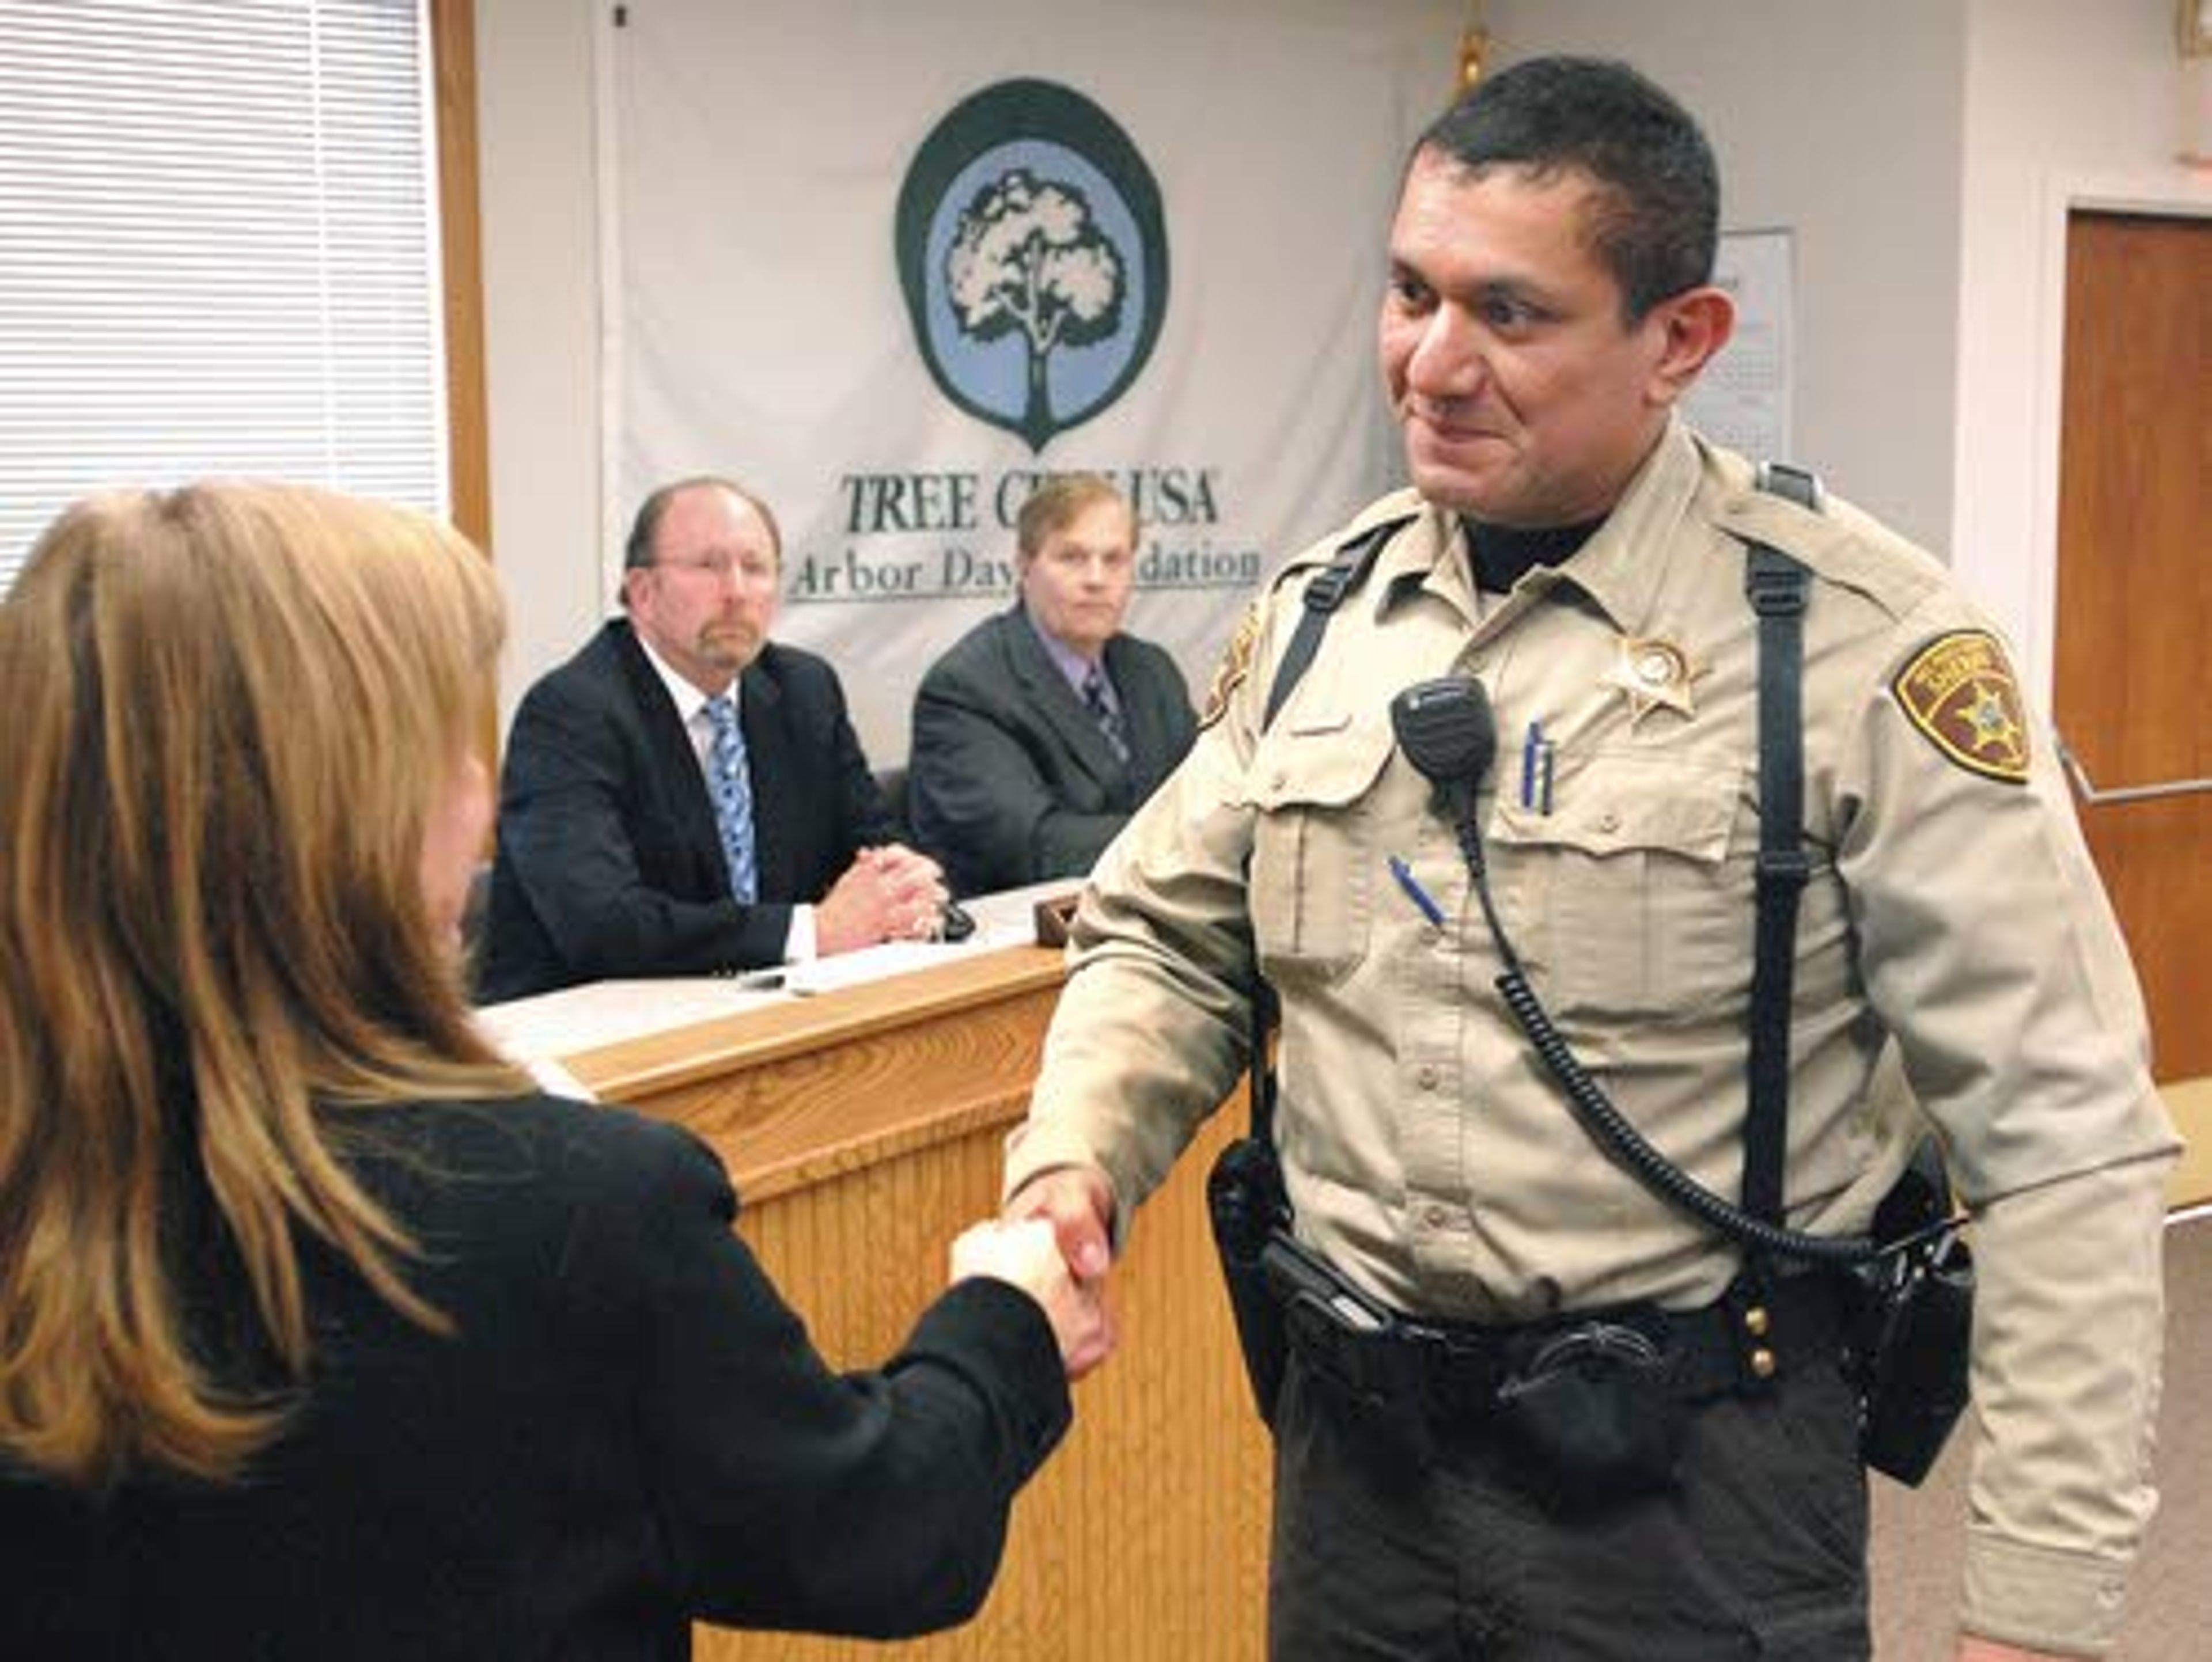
(1536, 753)
(1424, 902)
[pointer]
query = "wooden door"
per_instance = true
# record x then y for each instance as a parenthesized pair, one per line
(2133, 682)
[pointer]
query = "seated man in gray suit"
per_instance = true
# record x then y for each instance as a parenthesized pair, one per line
(685, 797)
(1043, 729)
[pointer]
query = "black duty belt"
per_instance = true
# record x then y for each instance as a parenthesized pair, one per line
(1453, 1372)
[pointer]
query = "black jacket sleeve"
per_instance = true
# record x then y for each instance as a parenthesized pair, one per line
(790, 1495)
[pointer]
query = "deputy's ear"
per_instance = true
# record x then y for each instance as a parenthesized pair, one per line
(1693, 326)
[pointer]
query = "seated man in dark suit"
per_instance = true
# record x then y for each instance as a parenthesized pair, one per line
(1043, 729)
(685, 796)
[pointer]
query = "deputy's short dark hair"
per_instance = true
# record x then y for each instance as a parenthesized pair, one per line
(1657, 221)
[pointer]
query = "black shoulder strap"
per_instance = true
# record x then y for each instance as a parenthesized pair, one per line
(1324, 594)
(1775, 586)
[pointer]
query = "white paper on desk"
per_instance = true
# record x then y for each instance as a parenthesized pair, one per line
(556, 1081)
(581, 1018)
(872, 964)
(1009, 917)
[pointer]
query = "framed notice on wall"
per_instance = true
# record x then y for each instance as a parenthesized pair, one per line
(1743, 399)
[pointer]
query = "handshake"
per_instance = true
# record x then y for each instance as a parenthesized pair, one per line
(1024, 1252)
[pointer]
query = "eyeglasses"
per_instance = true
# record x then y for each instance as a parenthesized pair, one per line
(751, 570)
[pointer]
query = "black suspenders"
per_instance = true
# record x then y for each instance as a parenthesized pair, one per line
(1776, 584)
(1324, 594)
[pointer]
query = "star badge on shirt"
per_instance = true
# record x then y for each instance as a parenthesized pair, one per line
(1652, 672)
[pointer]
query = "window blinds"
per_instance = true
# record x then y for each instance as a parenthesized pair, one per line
(218, 251)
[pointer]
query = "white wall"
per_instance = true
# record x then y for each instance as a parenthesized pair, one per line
(1914, 146)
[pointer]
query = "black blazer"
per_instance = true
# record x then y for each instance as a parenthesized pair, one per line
(609, 865)
(629, 1430)
(1009, 781)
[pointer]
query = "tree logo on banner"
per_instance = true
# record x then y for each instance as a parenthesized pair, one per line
(1034, 257)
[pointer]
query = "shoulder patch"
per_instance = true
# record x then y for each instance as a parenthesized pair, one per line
(1959, 691)
(1235, 667)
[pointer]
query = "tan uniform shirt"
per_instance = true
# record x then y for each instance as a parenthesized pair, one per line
(1428, 1152)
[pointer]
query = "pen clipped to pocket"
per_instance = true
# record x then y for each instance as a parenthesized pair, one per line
(1537, 754)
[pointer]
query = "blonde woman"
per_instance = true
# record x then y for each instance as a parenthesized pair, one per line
(321, 1335)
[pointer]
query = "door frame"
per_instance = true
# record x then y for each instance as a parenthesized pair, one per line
(2171, 195)
(2167, 195)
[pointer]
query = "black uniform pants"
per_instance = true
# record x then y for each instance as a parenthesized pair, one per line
(1399, 1540)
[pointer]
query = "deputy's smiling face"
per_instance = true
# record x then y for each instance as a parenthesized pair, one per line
(1525, 396)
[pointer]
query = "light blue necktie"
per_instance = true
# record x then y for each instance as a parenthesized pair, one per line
(731, 787)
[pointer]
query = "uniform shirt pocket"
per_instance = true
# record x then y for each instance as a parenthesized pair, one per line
(1625, 900)
(1312, 782)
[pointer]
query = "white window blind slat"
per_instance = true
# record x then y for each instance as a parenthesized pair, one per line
(218, 251)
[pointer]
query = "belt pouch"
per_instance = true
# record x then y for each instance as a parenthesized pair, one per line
(1593, 1412)
(1916, 1334)
(1911, 1327)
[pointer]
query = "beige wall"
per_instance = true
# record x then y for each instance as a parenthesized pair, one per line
(540, 209)
(1841, 123)
(1924, 150)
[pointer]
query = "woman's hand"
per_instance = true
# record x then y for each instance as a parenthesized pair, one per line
(1026, 1254)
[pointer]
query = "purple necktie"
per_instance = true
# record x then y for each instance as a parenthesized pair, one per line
(1103, 713)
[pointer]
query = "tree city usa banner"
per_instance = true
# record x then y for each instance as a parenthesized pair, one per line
(892, 273)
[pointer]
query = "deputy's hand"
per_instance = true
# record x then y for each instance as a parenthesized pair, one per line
(886, 895)
(1078, 1203)
(1025, 1255)
(1974, 1648)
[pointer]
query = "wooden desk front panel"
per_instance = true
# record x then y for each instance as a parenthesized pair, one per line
(858, 1154)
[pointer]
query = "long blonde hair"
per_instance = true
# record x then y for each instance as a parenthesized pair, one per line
(225, 715)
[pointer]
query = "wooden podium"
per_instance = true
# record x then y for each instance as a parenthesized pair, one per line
(863, 1128)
